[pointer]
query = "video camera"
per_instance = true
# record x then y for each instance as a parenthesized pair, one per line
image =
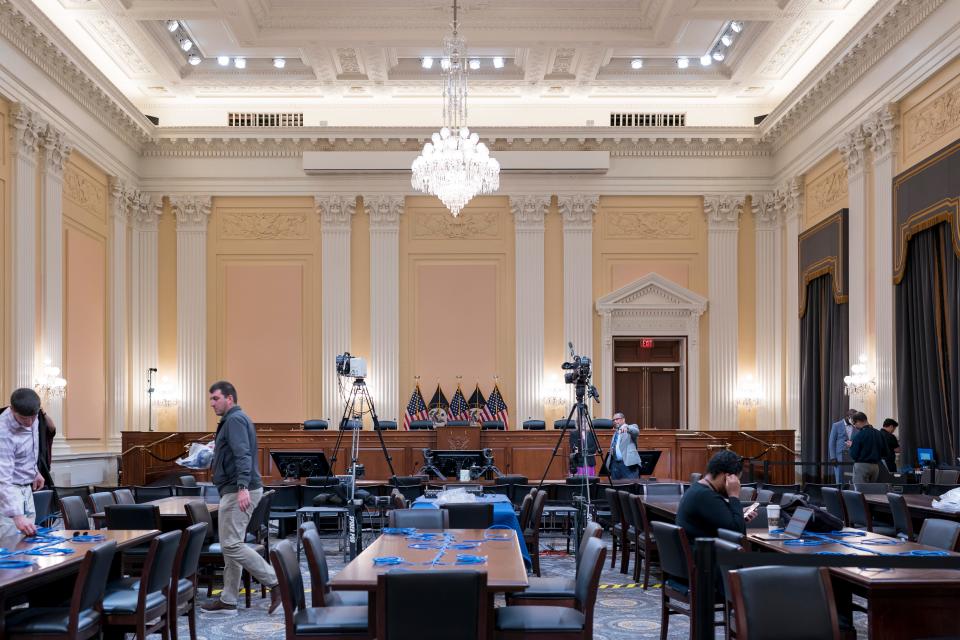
(347, 365)
(578, 371)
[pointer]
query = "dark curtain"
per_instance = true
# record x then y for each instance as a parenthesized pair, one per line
(927, 333)
(824, 361)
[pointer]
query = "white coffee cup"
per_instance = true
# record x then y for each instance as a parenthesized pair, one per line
(773, 516)
(464, 475)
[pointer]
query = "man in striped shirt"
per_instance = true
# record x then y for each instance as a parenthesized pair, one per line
(19, 475)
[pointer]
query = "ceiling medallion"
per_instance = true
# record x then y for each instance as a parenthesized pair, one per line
(455, 166)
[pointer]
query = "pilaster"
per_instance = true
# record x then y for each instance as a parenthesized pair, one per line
(790, 199)
(335, 213)
(768, 217)
(854, 151)
(723, 226)
(529, 212)
(122, 200)
(385, 213)
(145, 214)
(578, 212)
(192, 214)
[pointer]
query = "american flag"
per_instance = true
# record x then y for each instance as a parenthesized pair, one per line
(477, 401)
(497, 408)
(458, 406)
(416, 409)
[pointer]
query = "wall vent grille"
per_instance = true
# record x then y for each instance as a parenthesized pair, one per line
(648, 119)
(264, 119)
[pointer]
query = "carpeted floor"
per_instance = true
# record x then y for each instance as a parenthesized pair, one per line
(624, 611)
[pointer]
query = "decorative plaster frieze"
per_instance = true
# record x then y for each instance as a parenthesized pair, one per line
(659, 225)
(384, 211)
(723, 212)
(578, 211)
(883, 130)
(469, 225)
(529, 211)
(264, 225)
(335, 211)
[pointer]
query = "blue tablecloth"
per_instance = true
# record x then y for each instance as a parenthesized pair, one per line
(502, 515)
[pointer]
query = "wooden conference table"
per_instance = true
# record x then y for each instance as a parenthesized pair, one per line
(173, 513)
(920, 506)
(48, 569)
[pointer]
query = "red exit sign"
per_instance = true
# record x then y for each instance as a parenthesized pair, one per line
(646, 343)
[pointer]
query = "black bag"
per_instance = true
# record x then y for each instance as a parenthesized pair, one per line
(822, 521)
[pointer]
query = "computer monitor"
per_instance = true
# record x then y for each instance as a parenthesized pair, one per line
(300, 464)
(450, 462)
(925, 457)
(648, 462)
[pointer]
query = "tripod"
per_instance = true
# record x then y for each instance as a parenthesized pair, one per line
(357, 400)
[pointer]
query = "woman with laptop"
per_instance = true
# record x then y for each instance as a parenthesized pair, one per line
(713, 502)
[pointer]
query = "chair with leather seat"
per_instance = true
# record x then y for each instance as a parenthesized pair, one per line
(833, 503)
(763, 596)
(946, 476)
(902, 521)
(764, 496)
(410, 487)
(182, 598)
(939, 533)
(100, 501)
(720, 545)
(137, 517)
(320, 593)
(543, 622)
(148, 494)
(283, 507)
(534, 425)
(858, 513)
(563, 423)
(526, 506)
(79, 621)
(871, 488)
(139, 605)
(43, 507)
(748, 494)
(303, 622)
(734, 537)
(419, 518)
(556, 591)
(779, 489)
(493, 425)
(187, 481)
(400, 598)
(74, 513)
(645, 543)
(181, 490)
(124, 496)
(680, 589)
(651, 489)
(531, 533)
(629, 531)
(421, 425)
(602, 424)
(478, 515)
(211, 555)
(814, 491)
(315, 425)
(258, 529)
(616, 523)
(386, 425)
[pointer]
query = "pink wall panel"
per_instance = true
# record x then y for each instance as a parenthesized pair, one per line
(264, 341)
(455, 326)
(85, 336)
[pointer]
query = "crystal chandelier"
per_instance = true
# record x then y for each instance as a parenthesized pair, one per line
(860, 382)
(455, 166)
(50, 384)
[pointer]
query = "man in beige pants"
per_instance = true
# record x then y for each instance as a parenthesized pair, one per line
(235, 473)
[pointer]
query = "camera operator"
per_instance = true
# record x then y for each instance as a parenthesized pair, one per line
(583, 463)
(623, 461)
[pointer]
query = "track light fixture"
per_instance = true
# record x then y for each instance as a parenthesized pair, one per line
(683, 63)
(223, 60)
(240, 63)
(279, 63)
(718, 56)
(186, 44)
(736, 26)
(498, 62)
(726, 39)
(172, 25)
(194, 59)
(474, 64)
(636, 63)
(706, 61)
(426, 62)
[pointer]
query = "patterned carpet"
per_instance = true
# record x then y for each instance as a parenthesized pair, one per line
(624, 611)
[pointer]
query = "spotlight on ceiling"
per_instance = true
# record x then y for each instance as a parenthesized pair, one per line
(474, 64)
(172, 25)
(726, 39)
(427, 62)
(240, 63)
(279, 63)
(706, 61)
(186, 44)
(194, 59)
(636, 63)
(444, 63)
(736, 26)
(718, 56)
(683, 63)
(498, 62)
(223, 60)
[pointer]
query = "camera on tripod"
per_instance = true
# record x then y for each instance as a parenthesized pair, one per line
(351, 367)
(577, 371)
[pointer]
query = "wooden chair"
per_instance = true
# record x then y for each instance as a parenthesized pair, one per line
(320, 593)
(400, 598)
(531, 533)
(942, 534)
(182, 599)
(764, 596)
(556, 591)
(616, 524)
(645, 543)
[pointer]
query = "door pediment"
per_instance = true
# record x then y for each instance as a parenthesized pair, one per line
(652, 292)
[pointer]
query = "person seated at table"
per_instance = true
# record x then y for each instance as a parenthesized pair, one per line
(713, 502)
(583, 462)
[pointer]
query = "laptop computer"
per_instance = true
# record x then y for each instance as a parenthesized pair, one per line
(794, 529)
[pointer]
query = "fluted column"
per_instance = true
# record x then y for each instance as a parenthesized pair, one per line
(335, 214)
(385, 212)
(769, 312)
(529, 212)
(192, 214)
(723, 226)
(55, 153)
(578, 212)
(854, 151)
(27, 130)
(883, 132)
(143, 304)
(790, 199)
(121, 199)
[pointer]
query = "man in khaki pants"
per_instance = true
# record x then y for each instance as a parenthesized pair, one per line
(238, 481)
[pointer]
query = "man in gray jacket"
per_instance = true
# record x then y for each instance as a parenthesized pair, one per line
(623, 460)
(238, 482)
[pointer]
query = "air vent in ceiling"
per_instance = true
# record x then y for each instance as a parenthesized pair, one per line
(648, 119)
(264, 119)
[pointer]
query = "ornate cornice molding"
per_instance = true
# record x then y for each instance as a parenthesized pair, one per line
(854, 151)
(335, 211)
(723, 212)
(384, 211)
(529, 211)
(56, 151)
(192, 212)
(883, 129)
(578, 211)
(767, 212)
(28, 130)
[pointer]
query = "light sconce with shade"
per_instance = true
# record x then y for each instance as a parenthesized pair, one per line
(860, 382)
(50, 384)
(748, 393)
(554, 392)
(166, 393)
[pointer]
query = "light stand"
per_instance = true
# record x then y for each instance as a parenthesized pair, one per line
(150, 391)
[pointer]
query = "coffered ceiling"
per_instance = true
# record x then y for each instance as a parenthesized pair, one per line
(566, 62)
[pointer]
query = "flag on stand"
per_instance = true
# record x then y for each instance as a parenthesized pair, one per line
(439, 401)
(497, 408)
(416, 409)
(477, 401)
(458, 406)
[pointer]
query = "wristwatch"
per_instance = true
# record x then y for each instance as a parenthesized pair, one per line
(242, 487)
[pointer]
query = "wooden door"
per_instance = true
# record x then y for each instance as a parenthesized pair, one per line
(648, 396)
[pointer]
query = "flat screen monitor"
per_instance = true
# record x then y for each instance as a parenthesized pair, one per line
(648, 462)
(450, 462)
(301, 464)
(924, 457)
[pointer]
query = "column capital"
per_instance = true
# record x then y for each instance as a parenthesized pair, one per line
(122, 199)
(145, 210)
(883, 129)
(766, 210)
(384, 211)
(56, 151)
(789, 196)
(335, 211)
(853, 148)
(529, 211)
(192, 212)
(578, 211)
(28, 129)
(723, 212)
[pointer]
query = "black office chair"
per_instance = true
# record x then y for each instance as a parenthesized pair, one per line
(470, 516)
(320, 593)
(400, 598)
(43, 507)
(132, 516)
(556, 591)
(534, 425)
(747, 494)
(421, 425)
(74, 513)
(410, 487)
(283, 507)
(79, 621)
(721, 545)
(871, 488)
(939, 533)
(187, 481)
(602, 423)
(763, 595)
(182, 599)
(858, 513)
(946, 476)
(100, 500)
(779, 489)
(493, 425)
(734, 537)
(662, 488)
(303, 622)
(902, 521)
(814, 491)
(616, 524)
(420, 518)
(315, 425)
(833, 503)
(179, 490)
(146, 494)
(124, 496)
(563, 423)
(388, 425)
(940, 489)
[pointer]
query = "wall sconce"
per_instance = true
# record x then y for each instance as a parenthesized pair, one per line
(554, 393)
(748, 393)
(50, 384)
(166, 393)
(860, 382)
